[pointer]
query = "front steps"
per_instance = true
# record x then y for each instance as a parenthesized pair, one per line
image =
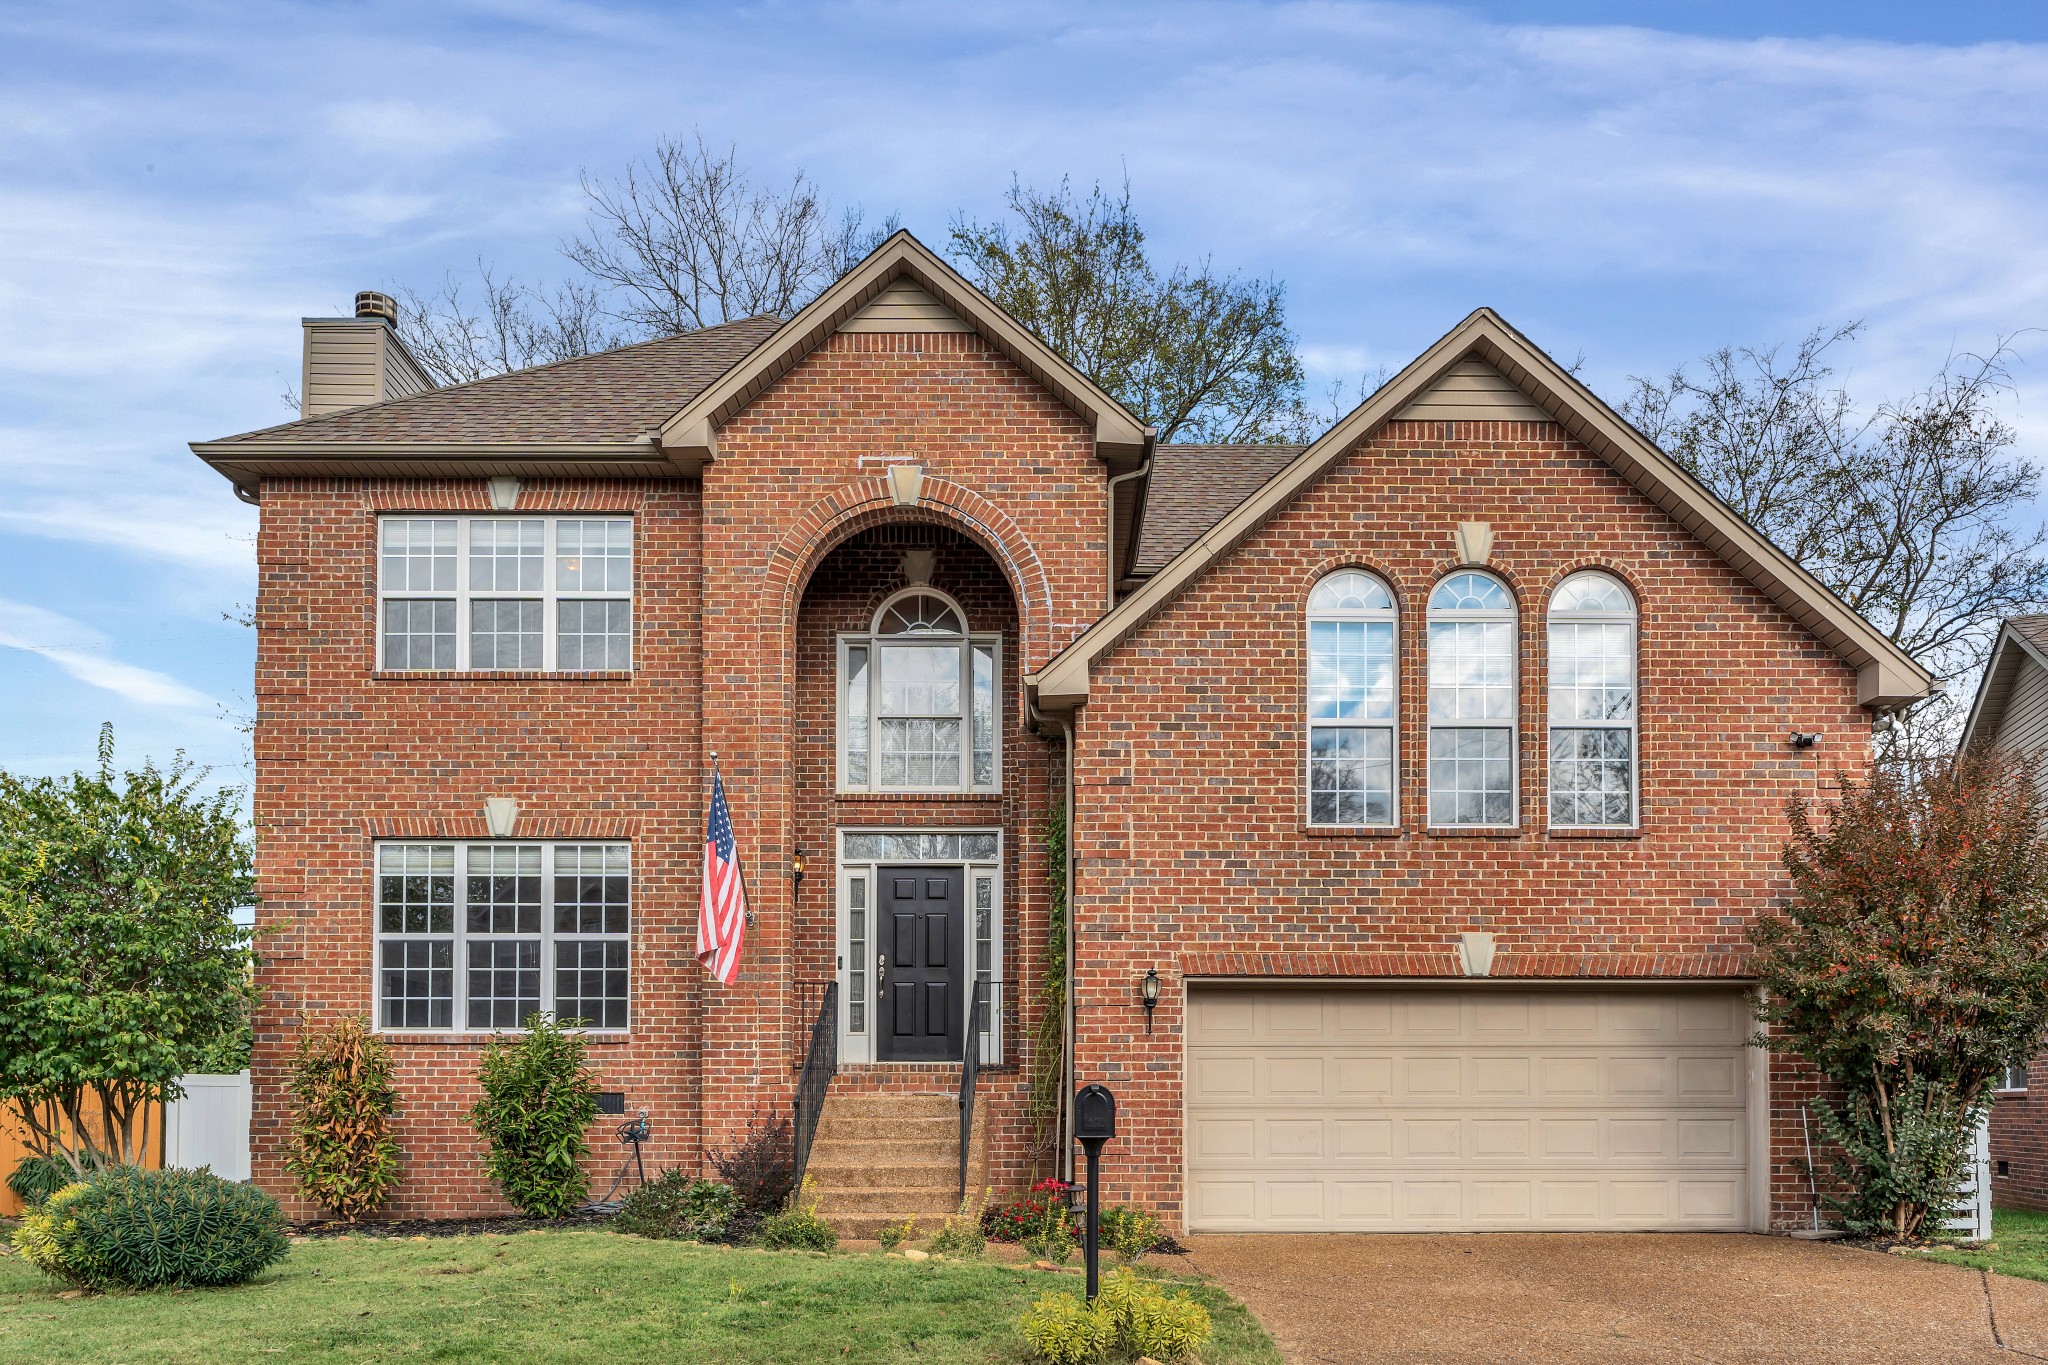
(879, 1159)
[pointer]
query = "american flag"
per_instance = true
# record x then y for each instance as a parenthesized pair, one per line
(722, 922)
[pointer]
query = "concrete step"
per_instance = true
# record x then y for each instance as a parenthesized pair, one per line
(831, 1177)
(887, 1151)
(891, 1106)
(832, 1129)
(868, 1225)
(887, 1202)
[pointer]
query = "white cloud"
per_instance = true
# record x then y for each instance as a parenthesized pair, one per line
(406, 129)
(82, 652)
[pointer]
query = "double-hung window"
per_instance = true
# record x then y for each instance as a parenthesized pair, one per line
(478, 937)
(488, 594)
(919, 700)
(1472, 712)
(1592, 703)
(1352, 701)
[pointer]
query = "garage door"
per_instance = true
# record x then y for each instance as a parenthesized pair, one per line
(1420, 1110)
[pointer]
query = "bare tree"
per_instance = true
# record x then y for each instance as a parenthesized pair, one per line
(1203, 356)
(511, 326)
(684, 240)
(1911, 514)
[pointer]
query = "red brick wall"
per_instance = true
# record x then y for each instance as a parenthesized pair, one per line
(2019, 1138)
(1214, 871)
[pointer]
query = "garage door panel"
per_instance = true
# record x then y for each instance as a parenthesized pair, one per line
(1473, 1111)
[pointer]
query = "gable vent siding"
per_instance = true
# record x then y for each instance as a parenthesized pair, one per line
(1473, 391)
(903, 307)
(341, 366)
(2024, 727)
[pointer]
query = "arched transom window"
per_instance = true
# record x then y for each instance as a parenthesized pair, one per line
(1351, 701)
(1472, 714)
(1592, 703)
(918, 700)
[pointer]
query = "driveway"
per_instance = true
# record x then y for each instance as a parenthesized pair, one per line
(1600, 1297)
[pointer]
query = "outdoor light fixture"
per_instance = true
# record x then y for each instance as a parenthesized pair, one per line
(796, 871)
(1800, 741)
(1148, 994)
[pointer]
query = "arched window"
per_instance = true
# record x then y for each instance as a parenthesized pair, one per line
(1472, 712)
(917, 700)
(1592, 703)
(1351, 701)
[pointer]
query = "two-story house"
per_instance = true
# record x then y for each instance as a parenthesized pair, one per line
(1418, 783)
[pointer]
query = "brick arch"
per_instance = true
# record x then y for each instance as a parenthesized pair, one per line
(839, 516)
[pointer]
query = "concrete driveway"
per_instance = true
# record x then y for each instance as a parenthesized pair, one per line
(1599, 1297)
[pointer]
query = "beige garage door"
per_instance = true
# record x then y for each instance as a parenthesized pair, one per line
(1364, 1109)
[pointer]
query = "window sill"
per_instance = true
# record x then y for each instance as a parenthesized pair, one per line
(1353, 831)
(1474, 832)
(1569, 832)
(478, 1039)
(918, 796)
(500, 675)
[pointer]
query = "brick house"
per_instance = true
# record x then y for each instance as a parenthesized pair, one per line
(1419, 782)
(2011, 711)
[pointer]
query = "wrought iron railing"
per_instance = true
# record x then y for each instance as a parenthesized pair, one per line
(970, 1073)
(810, 998)
(821, 1063)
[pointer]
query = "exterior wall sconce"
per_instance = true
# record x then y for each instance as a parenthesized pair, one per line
(1800, 741)
(796, 871)
(1148, 994)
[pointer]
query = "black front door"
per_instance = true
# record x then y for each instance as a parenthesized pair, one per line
(922, 965)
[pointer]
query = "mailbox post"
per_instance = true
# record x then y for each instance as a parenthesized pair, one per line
(1094, 1124)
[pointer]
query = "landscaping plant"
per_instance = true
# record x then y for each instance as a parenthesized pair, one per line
(36, 1178)
(760, 1167)
(1910, 966)
(962, 1235)
(797, 1228)
(340, 1148)
(676, 1205)
(1130, 1318)
(539, 1101)
(894, 1235)
(124, 1228)
(121, 965)
(1129, 1231)
(1024, 1215)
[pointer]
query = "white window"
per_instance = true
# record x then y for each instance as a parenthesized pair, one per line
(919, 700)
(2014, 1078)
(494, 593)
(1472, 712)
(1352, 701)
(477, 937)
(1592, 703)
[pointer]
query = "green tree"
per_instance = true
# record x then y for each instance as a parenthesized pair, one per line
(121, 965)
(1201, 355)
(1910, 966)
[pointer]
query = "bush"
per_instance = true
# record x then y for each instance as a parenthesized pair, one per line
(1025, 1215)
(538, 1102)
(1131, 1317)
(896, 1234)
(675, 1206)
(1066, 1331)
(39, 1177)
(961, 1236)
(761, 1167)
(1129, 1231)
(797, 1229)
(127, 1228)
(1920, 1160)
(340, 1149)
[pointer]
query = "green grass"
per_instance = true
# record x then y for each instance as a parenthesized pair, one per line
(2021, 1239)
(566, 1296)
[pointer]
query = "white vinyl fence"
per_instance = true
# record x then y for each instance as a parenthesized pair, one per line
(210, 1126)
(1972, 1218)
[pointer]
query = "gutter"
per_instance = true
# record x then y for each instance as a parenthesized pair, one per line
(1143, 471)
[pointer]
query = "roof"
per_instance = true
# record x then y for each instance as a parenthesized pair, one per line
(1886, 675)
(2020, 639)
(1192, 487)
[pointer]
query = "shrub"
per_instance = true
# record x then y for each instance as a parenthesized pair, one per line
(896, 1234)
(538, 1102)
(675, 1206)
(1129, 1231)
(798, 1228)
(761, 1167)
(39, 1177)
(127, 1228)
(1915, 1161)
(340, 1149)
(962, 1235)
(1023, 1215)
(1066, 1331)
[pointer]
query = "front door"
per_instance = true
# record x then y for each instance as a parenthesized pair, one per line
(920, 968)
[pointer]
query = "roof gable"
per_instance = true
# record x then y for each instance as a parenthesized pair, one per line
(1886, 675)
(2022, 644)
(879, 282)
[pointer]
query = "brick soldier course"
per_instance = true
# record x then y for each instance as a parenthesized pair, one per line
(764, 469)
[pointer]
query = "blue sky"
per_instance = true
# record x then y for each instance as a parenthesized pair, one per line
(1639, 183)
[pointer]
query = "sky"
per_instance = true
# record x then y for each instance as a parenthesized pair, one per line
(1631, 183)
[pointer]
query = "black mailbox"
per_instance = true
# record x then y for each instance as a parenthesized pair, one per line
(1094, 1114)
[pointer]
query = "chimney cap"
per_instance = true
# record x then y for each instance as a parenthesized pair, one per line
(371, 304)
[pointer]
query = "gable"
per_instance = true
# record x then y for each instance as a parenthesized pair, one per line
(2011, 706)
(903, 307)
(1472, 391)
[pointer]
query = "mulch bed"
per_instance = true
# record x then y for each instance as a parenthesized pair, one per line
(450, 1227)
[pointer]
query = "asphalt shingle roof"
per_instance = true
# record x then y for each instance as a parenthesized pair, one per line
(1193, 487)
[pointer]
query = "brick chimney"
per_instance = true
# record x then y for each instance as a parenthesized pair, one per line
(350, 362)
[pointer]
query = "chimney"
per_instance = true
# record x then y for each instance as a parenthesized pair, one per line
(350, 362)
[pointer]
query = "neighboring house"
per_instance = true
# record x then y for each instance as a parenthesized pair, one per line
(1434, 769)
(2011, 712)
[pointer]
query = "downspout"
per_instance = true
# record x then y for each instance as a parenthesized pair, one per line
(1143, 470)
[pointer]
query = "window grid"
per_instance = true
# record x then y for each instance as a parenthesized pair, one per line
(1352, 701)
(1473, 714)
(536, 927)
(492, 593)
(919, 702)
(1593, 710)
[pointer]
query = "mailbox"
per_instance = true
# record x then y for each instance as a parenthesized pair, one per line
(1094, 1114)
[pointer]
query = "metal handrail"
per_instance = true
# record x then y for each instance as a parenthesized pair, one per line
(821, 1064)
(970, 1073)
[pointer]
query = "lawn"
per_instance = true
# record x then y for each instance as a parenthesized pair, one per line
(2021, 1239)
(566, 1296)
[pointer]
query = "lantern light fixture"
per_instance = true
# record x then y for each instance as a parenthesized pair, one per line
(1148, 994)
